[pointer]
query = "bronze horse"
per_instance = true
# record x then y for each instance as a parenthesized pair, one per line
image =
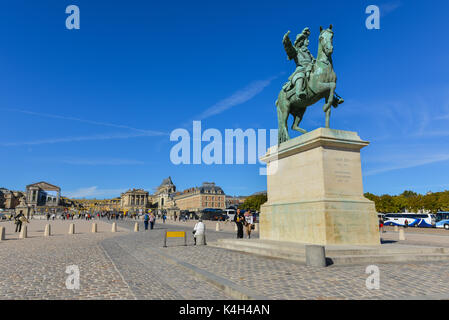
(322, 84)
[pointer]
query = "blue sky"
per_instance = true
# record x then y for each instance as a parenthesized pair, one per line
(91, 110)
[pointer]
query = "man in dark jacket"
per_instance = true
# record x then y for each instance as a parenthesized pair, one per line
(18, 221)
(239, 219)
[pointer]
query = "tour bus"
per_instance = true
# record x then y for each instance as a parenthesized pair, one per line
(442, 220)
(425, 220)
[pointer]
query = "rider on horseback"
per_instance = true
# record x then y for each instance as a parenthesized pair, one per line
(299, 52)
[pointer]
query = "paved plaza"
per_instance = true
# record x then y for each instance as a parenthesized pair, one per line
(130, 265)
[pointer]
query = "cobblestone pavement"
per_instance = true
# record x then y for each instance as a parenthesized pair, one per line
(129, 265)
(34, 268)
(280, 279)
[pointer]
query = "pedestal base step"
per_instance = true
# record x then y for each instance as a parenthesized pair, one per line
(338, 255)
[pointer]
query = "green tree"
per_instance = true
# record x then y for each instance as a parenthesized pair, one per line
(254, 202)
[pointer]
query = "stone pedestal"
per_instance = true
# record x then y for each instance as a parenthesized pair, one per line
(315, 191)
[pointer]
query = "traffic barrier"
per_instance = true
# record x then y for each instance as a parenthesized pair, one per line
(23, 232)
(136, 227)
(94, 227)
(72, 228)
(114, 227)
(175, 234)
(47, 231)
(2, 233)
(401, 234)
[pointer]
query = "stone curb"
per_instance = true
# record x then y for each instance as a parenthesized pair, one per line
(229, 287)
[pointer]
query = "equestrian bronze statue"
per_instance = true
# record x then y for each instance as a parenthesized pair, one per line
(313, 80)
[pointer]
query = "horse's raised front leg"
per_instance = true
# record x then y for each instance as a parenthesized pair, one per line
(298, 119)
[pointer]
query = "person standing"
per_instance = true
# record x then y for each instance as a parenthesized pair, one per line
(406, 223)
(146, 218)
(18, 221)
(152, 220)
(239, 218)
(199, 230)
(249, 222)
(381, 225)
(164, 217)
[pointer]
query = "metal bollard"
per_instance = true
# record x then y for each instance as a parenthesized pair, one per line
(47, 231)
(315, 256)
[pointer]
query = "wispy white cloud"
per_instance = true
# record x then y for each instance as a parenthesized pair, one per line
(237, 98)
(93, 122)
(406, 163)
(389, 7)
(94, 192)
(80, 138)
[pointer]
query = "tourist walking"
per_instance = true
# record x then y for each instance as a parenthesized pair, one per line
(146, 218)
(249, 223)
(381, 225)
(164, 217)
(18, 221)
(239, 218)
(199, 231)
(152, 220)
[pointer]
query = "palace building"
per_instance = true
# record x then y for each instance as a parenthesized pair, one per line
(135, 199)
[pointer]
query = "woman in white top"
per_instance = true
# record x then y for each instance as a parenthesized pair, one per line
(249, 221)
(199, 230)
